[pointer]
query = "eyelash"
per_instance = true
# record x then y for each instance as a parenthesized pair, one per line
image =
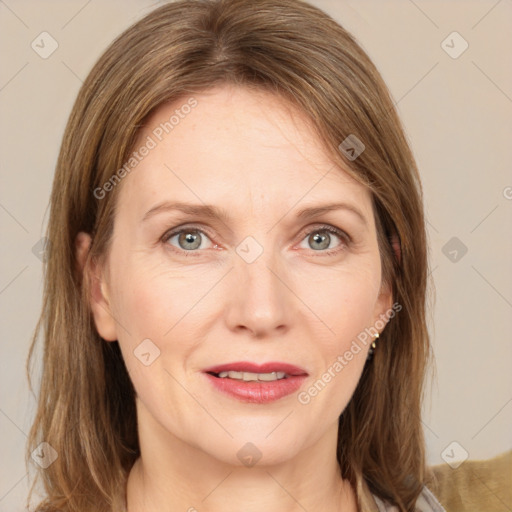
(344, 237)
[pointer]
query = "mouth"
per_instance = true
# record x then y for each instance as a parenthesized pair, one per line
(249, 382)
(250, 376)
(247, 371)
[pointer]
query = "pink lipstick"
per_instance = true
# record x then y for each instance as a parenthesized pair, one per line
(253, 383)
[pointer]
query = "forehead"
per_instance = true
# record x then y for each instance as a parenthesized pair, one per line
(235, 145)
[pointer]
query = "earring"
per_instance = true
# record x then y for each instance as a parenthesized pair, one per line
(373, 346)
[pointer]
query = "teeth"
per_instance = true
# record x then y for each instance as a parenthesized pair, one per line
(248, 376)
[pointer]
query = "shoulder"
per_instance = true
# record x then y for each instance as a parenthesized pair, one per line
(369, 502)
(426, 502)
(474, 484)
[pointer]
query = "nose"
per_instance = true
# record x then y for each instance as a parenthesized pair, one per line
(260, 302)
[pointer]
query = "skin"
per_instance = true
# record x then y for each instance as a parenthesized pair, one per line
(256, 156)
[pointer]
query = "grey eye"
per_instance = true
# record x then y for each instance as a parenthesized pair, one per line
(318, 241)
(189, 240)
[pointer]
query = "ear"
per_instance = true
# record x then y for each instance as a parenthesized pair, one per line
(383, 307)
(94, 276)
(395, 244)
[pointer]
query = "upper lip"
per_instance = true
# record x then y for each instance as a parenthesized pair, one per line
(245, 366)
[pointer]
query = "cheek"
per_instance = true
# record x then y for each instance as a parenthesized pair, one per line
(344, 299)
(151, 298)
(161, 305)
(150, 305)
(142, 305)
(344, 302)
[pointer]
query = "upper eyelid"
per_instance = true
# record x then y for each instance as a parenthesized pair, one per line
(177, 230)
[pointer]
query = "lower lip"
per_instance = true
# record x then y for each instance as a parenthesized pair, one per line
(257, 392)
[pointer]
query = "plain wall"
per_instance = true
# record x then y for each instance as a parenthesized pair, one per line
(457, 113)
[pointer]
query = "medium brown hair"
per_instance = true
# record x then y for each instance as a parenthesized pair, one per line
(86, 408)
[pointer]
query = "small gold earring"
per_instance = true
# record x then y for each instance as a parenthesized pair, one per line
(373, 346)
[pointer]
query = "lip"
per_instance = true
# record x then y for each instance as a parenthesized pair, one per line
(257, 392)
(246, 366)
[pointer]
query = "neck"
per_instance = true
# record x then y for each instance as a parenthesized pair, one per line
(173, 475)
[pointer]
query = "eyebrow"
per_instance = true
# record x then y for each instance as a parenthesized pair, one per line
(216, 213)
(200, 210)
(316, 211)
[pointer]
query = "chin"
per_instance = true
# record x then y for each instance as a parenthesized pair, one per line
(257, 445)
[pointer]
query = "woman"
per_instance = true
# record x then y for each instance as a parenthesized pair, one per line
(234, 308)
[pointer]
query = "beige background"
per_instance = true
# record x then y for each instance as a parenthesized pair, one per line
(457, 113)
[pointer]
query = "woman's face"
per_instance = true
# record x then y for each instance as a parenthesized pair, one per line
(251, 279)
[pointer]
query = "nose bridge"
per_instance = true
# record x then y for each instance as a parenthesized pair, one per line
(260, 302)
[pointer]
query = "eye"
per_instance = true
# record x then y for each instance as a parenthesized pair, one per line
(321, 238)
(187, 239)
